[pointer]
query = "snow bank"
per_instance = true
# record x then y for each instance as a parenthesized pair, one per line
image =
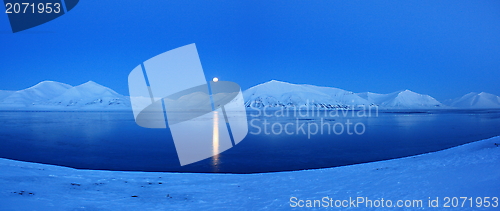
(471, 170)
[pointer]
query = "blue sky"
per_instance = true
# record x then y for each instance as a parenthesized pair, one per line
(441, 48)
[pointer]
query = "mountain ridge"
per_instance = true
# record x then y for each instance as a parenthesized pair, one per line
(477, 100)
(53, 95)
(282, 94)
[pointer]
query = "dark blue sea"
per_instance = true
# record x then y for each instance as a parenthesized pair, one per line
(113, 141)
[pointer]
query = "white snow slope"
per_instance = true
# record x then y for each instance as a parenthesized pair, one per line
(43, 91)
(477, 100)
(471, 170)
(281, 94)
(402, 99)
(51, 95)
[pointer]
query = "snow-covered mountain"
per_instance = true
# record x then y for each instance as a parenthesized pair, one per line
(402, 99)
(4, 94)
(43, 91)
(477, 100)
(51, 95)
(281, 94)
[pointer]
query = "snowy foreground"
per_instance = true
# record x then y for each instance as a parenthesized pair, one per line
(471, 170)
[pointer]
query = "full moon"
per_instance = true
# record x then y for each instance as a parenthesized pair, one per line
(215, 79)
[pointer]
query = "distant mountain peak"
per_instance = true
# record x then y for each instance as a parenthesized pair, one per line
(409, 92)
(46, 81)
(49, 83)
(91, 83)
(477, 100)
(282, 94)
(276, 82)
(52, 95)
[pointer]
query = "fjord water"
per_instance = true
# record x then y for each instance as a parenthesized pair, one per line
(113, 141)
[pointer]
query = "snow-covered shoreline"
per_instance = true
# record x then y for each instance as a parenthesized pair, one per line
(470, 170)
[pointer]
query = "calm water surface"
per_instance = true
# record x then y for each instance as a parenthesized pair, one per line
(112, 140)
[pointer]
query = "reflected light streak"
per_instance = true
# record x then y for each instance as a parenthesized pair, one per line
(215, 139)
